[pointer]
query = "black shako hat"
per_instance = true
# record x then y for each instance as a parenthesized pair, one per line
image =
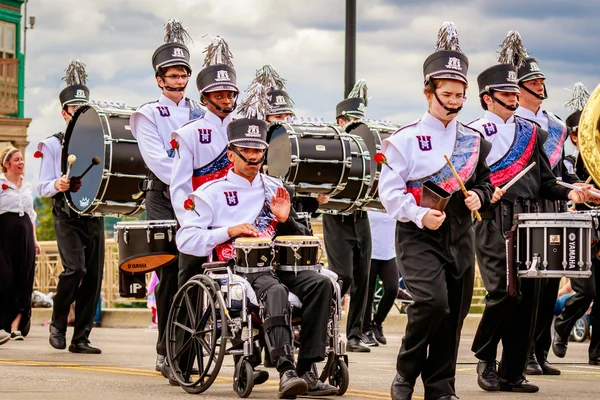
(500, 78)
(218, 72)
(354, 105)
(280, 102)
(248, 132)
(530, 70)
(174, 51)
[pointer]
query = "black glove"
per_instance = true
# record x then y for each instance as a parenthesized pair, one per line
(74, 184)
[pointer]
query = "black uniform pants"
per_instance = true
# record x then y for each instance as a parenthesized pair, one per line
(81, 249)
(348, 244)
(506, 318)
(545, 315)
(315, 291)
(158, 207)
(387, 270)
(440, 277)
(273, 295)
(586, 291)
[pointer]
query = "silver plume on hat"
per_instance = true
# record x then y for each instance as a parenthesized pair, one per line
(75, 73)
(217, 52)
(269, 78)
(256, 102)
(579, 98)
(512, 50)
(360, 91)
(176, 33)
(448, 38)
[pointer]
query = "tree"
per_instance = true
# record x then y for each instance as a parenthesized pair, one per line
(45, 221)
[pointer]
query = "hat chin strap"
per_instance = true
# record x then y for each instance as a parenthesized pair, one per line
(244, 159)
(534, 94)
(445, 107)
(219, 108)
(503, 104)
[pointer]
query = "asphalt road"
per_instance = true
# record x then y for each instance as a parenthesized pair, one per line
(31, 369)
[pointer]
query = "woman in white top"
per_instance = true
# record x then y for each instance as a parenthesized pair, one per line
(18, 245)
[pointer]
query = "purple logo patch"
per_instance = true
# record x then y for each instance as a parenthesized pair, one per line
(232, 198)
(205, 135)
(164, 111)
(490, 128)
(424, 142)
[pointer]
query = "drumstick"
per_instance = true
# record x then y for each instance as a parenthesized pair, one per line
(95, 161)
(588, 180)
(462, 185)
(71, 160)
(517, 177)
(573, 187)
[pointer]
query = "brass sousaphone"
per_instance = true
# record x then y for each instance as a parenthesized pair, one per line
(589, 136)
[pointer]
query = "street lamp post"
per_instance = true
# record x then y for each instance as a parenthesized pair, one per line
(350, 58)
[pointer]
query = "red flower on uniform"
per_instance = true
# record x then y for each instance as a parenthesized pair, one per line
(190, 206)
(380, 159)
(38, 154)
(5, 186)
(175, 145)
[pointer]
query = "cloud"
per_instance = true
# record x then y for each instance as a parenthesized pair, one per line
(304, 40)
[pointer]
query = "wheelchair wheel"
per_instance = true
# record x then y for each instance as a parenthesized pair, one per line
(196, 331)
(243, 380)
(581, 330)
(339, 376)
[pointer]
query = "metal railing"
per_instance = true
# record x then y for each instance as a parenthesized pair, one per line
(9, 86)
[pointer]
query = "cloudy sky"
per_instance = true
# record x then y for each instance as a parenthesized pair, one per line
(304, 41)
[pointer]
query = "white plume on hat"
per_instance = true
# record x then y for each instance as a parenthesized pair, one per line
(448, 38)
(360, 91)
(176, 33)
(256, 102)
(579, 98)
(75, 73)
(512, 50)
(217, 52)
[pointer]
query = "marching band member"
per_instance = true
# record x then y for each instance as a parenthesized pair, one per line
(247, 203)
(435, 248)
(80, 238)
(533, 93)
(152, 125)
(201, 144)
(516, 143)
(586, 289)
(348, 237)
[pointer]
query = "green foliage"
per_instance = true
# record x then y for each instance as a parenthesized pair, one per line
(45, 222)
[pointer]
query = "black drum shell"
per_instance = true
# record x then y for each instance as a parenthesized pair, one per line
(137, 255)
(256, 257)
(285, 255)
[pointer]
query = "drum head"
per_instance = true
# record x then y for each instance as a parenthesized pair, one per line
(279, 154)
(85, 140)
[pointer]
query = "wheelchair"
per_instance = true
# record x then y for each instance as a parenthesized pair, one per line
(217, 313)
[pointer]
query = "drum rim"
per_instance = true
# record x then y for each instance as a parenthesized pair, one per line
(159, 223)
(244, 241)
(296, 237)
(568, 216)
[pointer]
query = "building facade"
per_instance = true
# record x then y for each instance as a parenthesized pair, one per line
(13, 125)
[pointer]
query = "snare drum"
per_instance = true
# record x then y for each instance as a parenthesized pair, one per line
(314, 158)
(145, 245)
(107, 188)
(553, 245)
(297, 253)
(359, 183)
(373, 133)
(253, 254)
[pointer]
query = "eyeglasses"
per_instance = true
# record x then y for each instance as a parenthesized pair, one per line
(177, 77)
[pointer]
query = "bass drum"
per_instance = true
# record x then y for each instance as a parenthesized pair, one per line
(314, 158)
(359, 183)
(111, 187)
(373, 133)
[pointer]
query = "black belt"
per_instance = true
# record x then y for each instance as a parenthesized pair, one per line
(505, 211)
(154, 185)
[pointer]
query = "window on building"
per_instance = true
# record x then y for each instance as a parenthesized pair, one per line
(7, 40)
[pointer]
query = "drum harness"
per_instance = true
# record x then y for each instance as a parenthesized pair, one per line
(504, 211)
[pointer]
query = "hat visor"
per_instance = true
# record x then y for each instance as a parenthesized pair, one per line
(532, 76)
(175, 63)
(76, 102)
(451, 76)
(355, 114)
(507, 89)
(221, 87)
(250, 144)
(281, 111)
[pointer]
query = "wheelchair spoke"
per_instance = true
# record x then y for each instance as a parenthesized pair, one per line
(191, 310)
(183, 348)
(191, 331)
(206, 347)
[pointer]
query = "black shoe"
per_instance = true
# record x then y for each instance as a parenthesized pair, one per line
(84, 348)
(533, 367)
(404, 295)
(559, 345)
(168, 373)
(401, 388)
(4, 339)
(25, 330)
(487, 375)
(57, 338)
(316, 387)
(260, 376)
(522, 386)
(378, 333)
(354, 345)
(549, 369)
(594, 361)
(291, 385)
(369, 340)
(160, 360)
(448, 397)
